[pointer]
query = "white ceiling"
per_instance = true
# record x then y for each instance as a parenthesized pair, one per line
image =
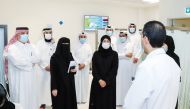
(133, 3)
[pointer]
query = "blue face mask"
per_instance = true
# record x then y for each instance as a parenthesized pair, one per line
(82, 40)
(122, 39)
(24, 38)
(109, 33)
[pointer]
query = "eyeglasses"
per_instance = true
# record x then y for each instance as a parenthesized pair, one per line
(143, 34)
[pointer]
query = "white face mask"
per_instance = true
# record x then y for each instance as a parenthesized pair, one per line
(132, 30)
(106, 45)
(165, 47)
(48, 36)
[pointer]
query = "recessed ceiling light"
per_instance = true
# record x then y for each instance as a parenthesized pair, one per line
(151, 1)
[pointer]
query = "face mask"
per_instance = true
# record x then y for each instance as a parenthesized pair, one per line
(106, 45)
(48, 36)
(143, 47)
(24, 38)
(132, 30)
(82, 40)
(109, 33)
(165, 47)
(122, 39)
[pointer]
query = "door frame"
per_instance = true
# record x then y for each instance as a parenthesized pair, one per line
(5, 43)
(5, 33)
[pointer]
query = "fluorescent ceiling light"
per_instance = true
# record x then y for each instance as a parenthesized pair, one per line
(151, 1)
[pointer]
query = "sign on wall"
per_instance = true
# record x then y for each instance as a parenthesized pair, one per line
(187, 10)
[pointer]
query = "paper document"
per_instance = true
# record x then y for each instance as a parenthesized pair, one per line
(72, 64)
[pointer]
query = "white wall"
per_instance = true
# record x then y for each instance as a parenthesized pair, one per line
(173, 9)
(148, 13)
(176, 9)
(36, 14)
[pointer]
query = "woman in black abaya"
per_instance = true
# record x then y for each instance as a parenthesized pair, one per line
(170, 51)
(104, 71)
(171, 48)
(62, 82)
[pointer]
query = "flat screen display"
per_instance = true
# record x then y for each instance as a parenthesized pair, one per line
(92, 22)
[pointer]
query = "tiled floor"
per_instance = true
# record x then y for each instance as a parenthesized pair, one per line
(85, 106)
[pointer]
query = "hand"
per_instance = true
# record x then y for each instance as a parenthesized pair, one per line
(135, 60)
(129, 55)
(102, 83)
(54, 92)
(81, 66)
(73, 70)
(47, 68)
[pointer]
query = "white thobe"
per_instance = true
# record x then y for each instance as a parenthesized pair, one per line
(114, 42)
(137, 49)
(156, 84)
(82, 55)
(124, 74)
(21, 59)
(45, 50)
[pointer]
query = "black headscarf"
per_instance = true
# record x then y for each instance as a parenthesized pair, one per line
(63, 50)
(105, 52)
(171, 48)
(3, 94)
(170, 43)
(4, 103)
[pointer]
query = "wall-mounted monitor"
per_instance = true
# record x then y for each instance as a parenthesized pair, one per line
(93, 22)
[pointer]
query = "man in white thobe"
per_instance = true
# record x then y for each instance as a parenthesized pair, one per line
(109, 31)
(21, 56)
(124, 75)
(82, 56)
(46, 47)
(157, 78)
(135, 39)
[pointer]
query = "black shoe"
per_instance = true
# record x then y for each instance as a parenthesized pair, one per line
(83, 102)
(43, 106)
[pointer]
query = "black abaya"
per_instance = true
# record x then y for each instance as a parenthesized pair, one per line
(61, 79)
(104, 66)
(171, 48)
(4, 103)
(8, 105)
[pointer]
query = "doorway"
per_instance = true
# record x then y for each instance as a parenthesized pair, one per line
(3, 42)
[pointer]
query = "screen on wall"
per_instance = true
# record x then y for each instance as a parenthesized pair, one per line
(92, 22)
